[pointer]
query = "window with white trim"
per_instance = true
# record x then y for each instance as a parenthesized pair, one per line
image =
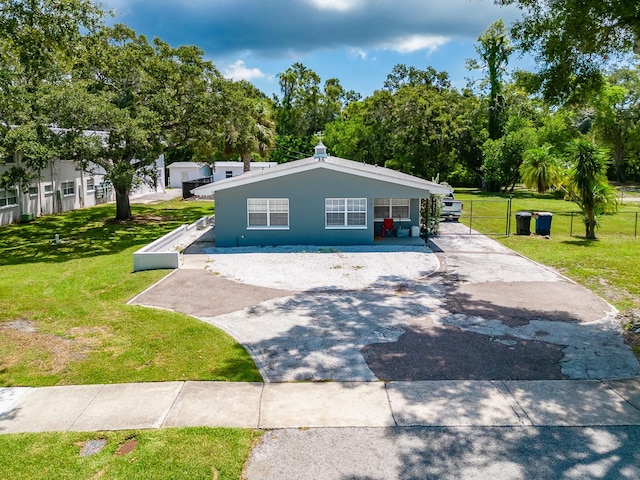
(48, 189)
(8, 197)
(33, 191)
(91, 184)
(228, 174)
(268, 213)
(68, 188)
(396, 208)
(345, 212)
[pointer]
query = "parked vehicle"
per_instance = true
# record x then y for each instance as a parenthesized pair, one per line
(451, 208)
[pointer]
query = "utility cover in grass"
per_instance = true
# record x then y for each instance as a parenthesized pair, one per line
(92, 447)
(127, 447)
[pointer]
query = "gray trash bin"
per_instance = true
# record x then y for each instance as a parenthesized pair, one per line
(543, 223)
(523, 223)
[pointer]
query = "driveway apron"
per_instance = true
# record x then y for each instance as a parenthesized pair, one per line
(466, 308)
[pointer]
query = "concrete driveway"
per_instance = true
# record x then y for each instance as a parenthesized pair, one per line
(465, 309)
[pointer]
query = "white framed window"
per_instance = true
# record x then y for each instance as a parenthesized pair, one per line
(8, 197)
(68, 188)
(48, 189)
(228, 174)
(91, 184)
(345, 212)
(270, 213)
(396, 208)
(33, 191)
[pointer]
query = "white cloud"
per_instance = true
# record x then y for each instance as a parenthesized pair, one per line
(232, 28)
(358, 52)
(239, 71)
(414, 43)
(336, 5)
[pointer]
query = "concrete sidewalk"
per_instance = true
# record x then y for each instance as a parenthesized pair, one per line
(326, 404)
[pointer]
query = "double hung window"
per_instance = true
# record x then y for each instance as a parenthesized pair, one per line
(8, 197)
(396, 208)
(345, 212)
(268, 213)
(68, 188)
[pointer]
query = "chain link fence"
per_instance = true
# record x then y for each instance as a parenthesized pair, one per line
(499, 217)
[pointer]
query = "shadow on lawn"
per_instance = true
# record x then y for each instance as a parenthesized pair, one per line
(91, 232)
(581, 242)
(239, 367)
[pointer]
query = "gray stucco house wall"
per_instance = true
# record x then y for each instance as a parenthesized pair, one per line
(305, 185)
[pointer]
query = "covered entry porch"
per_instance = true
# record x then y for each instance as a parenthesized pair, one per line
(397, 221)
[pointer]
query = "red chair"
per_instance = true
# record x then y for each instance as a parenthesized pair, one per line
(387, 226)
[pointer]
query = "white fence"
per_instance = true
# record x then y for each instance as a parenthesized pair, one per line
(166, 251)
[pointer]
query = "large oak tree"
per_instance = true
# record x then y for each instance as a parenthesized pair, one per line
(117, 100)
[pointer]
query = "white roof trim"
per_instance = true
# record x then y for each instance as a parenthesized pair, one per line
(192, 165)
(241, 164)
(330, 163)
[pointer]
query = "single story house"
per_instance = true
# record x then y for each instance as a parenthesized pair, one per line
(222, 170)
(186, 171)
(321, 200)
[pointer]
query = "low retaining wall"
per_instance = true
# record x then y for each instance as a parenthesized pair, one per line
(165, 252)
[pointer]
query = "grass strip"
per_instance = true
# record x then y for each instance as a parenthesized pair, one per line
(185, 453)
(64, 318)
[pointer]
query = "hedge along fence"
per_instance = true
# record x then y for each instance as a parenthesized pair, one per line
(166, 251)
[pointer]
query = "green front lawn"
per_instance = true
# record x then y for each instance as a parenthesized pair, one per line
(188, 453)
(63, 313)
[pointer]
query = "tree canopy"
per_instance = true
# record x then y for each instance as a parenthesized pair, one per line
(72, 87)
(573, 40)
(116, 100)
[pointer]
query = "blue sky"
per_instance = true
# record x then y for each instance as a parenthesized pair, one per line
(356, 41)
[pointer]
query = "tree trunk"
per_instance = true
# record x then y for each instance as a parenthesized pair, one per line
(590, 223)
(618, 159)
(123, 207)
(246, 160)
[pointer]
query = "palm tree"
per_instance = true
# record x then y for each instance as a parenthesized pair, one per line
(589, 186)
(263, 131)
(250, 127)
(540, 170)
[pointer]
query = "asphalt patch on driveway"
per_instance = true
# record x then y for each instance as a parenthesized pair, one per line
(203, 294)
(432, 352)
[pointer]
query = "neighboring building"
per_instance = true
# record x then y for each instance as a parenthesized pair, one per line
(223, 170)
(180, 172)
(321, 200)
(61, 188)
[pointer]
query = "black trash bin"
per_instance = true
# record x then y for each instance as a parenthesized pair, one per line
(543, 223)
(523, 223)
